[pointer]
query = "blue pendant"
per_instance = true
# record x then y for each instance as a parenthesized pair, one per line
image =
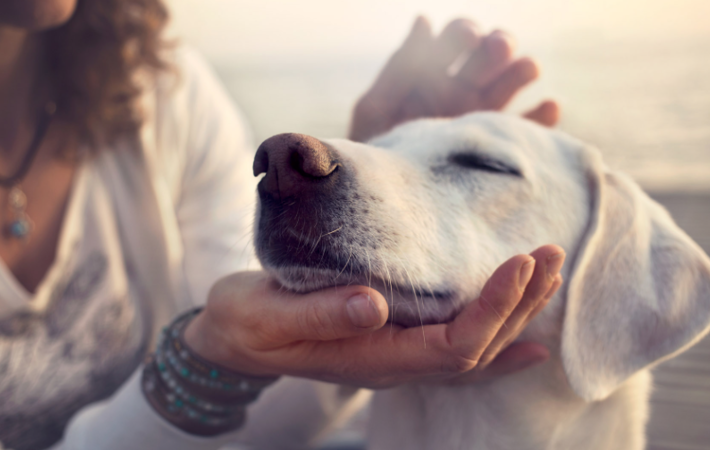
(22, 226)
(19, 228)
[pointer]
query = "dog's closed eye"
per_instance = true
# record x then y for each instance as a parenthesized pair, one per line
(481, 162)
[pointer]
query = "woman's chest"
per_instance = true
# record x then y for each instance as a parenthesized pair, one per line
(81, 335)
(31, 218)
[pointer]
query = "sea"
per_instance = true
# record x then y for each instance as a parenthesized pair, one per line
(644, 104)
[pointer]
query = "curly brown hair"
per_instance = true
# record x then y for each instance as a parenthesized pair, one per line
(93, 59)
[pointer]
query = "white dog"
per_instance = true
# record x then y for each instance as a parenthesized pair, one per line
(427, 212)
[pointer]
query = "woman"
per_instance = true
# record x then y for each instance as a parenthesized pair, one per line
(127, 187)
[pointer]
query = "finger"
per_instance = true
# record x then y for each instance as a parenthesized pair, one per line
(553, 290)
(432, 349)
(377, 110)
(488, 61)
(459, 36)
(540, 306)
(500, 45)
(517, 75)
(398, 77)
(436, 92)
(484, 64)
(548, 262)
(335, 313)
(516, 357)
(394, 354)
(546, 114)
(271, 317)
(487, 314)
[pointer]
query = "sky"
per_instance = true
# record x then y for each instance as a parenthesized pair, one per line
(265, 29)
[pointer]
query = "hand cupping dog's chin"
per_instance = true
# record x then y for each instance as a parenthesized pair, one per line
(409, 307)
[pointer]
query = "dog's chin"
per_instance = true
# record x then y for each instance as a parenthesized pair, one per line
(306, 279)
(409, 306)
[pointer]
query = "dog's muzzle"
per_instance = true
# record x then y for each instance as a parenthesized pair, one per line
(305, 198)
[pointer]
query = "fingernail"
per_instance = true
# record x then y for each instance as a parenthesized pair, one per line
(554, 264)
(553, 289)
(362, 311)
(526, 274)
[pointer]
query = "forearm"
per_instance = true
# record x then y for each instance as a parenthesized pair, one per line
(291, 414)
(127, 422)
(174, 402)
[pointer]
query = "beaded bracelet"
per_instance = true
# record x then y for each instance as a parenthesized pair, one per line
(192, 393)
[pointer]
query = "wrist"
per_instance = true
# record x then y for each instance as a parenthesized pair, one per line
(204, 337)
(192, 393)
(178, 410)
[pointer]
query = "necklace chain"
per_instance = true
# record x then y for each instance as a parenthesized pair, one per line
(14, 178)
(21, 226)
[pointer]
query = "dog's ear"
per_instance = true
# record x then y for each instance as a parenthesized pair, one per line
(639, 291)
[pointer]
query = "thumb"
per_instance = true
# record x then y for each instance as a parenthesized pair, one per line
(334, 313)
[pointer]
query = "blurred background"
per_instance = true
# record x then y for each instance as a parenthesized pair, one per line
(632, 76)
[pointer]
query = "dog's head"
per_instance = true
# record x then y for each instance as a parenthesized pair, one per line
(425, 214)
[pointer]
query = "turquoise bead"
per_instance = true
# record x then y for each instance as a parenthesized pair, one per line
(20, 228)
(214, 373)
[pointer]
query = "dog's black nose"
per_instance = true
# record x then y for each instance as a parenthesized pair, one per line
(293, 163)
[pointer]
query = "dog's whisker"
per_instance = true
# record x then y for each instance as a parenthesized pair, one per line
(416, 301)
(388, 283)
(315, 244)
(314, 247)
(369, 270)
(322, 255)
(350, 254)
(247, 238)
(331, 232)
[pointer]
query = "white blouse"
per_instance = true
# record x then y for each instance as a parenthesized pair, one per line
(150, 226)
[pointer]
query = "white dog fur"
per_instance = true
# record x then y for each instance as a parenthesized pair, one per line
(431, 225)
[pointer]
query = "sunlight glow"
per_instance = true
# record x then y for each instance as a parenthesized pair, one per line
(257, 29)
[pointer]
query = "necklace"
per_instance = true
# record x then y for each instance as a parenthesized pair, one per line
(21, 226)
